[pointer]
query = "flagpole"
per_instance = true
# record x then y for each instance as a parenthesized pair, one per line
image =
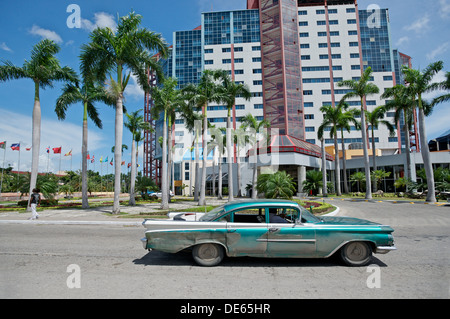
(3, 167)
(18, 171)
(48, 158)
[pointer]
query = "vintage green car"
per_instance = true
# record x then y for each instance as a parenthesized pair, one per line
(267, 228)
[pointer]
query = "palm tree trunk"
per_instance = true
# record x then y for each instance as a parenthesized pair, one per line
(84, 185)
(202, 200)
(36, 140)
(238, 162)
(324, 169)
(374, 160)
(337, 168)
(213, 179)
(431, 194)
(255, 170)
(118, 152)
(219, 191)
(408, 149)
(164, 195)
(366, 153)
(229, 159)
(170, 167)
(132, 201)
(197, 169)
(344, 163)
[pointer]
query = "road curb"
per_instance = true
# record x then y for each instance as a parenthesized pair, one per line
(71, 222)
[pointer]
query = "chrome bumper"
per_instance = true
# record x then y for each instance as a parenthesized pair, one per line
(144, 242)
(384, 249)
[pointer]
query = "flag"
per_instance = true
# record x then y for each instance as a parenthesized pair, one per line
(129, 165)
(48, 149)
(123, 163)
(68, 153)
(101, 159)
(28, 148)
(3, 145)
(15, 147)
(88, 157)
(93, 159)
(106, 160)
(111, 162)
(56, 150)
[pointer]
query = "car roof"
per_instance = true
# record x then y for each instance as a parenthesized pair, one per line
(251, 203)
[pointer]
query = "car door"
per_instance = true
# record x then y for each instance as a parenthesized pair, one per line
(246, 233)
(291, 239)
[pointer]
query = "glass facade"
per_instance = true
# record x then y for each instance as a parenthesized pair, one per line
(375, 40)
(231, 27)
(187, 57)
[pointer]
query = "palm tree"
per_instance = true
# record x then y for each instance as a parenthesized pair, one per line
(231, 90)
(87, 95)
(43, 68)
(420, 83)
(344, 121)
(219, 140)
(240, 138)
(334, 117)
(279, 185)
(362, 89)
(313, 181)
(256, 127)
(135, 123)
(165, 97)
(205, 92)
(404, 105)
(445, 85)
(128, 47)
(374, 119)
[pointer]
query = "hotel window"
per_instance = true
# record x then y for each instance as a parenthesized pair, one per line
(336, 56)
(226, 61)
(308, 104)
(351, 10)
(238, 71)
(312, 141)
(387, 78)
(304, 46)
(238, 49)
(303, 23)
(226, 50)
(352, 32)
(239, 60)
(321, 22)
(304, 35)
(356, 67)
(308, 92)
(258, 106)
(256, 59)
(323, 56)
(321, 11)
(354, 55)
(209, 62)
(257, 82)
(309, 116)
(256, 48)
(353, 44)
(332, 11)
(209, 50)
(306, 57)
(257, 71)
(303, 13)
(310, 129)
(351, 21)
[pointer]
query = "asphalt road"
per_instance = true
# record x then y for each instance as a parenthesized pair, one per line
(108, 261)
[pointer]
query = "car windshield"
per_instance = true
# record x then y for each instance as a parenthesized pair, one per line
(213, 214)
(307, 217)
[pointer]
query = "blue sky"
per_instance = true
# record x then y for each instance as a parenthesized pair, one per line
(418, 28)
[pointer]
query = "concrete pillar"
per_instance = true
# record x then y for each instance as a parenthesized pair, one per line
(301, 173)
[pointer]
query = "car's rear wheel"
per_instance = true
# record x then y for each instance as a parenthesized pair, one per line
(356, 254)
(208, 254)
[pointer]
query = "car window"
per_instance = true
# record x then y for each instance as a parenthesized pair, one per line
(213, 214)
(249, 215)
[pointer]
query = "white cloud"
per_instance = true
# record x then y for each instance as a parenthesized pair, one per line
(440, 50)
(133, 89)
(17, 128)
(4, 47)
(444, 9)
(402, 41)
(420, 25)
(101, 20)
(46, 34)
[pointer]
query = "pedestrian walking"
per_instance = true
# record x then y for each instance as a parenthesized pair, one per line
(35, 201)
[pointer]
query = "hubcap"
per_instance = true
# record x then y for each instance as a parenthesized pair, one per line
(356, 252)
(208, 251)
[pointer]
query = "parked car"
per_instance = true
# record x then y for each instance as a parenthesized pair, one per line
(158, 194)
(267, 228)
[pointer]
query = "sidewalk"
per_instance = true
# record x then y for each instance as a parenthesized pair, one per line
(97, 215)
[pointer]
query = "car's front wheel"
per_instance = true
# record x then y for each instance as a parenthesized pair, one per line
(208, 254)
(356, 254)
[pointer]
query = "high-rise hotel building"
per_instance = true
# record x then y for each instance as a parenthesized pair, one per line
(291, 54)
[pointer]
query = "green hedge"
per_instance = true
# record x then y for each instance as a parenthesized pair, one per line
(44, 203)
